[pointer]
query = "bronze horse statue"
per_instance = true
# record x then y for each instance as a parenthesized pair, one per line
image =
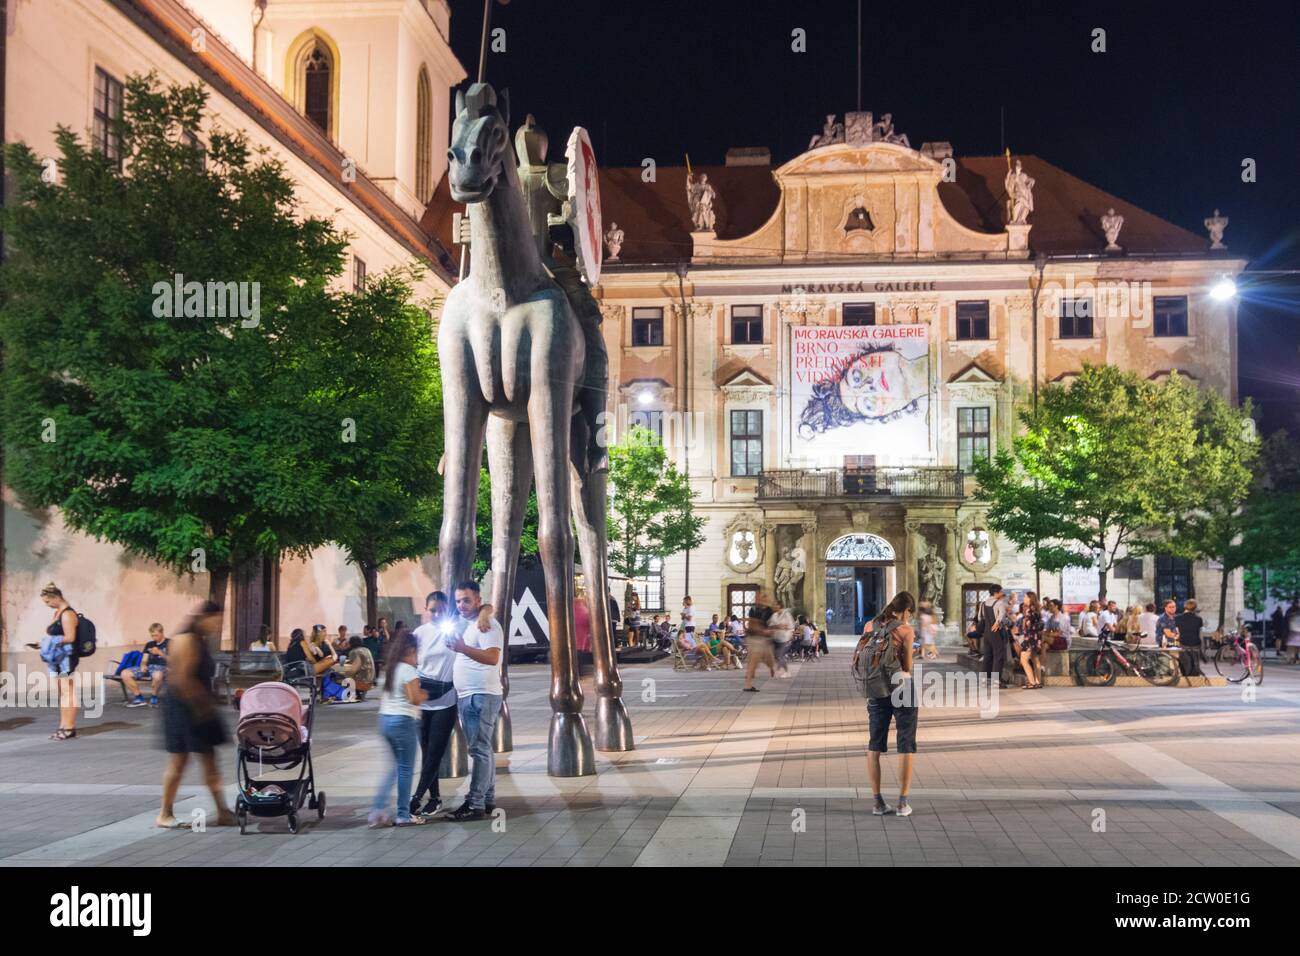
(515, 368)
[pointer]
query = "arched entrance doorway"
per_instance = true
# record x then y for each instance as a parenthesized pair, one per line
(859, 580)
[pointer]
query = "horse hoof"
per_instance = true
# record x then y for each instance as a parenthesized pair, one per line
(613, 725)
(502, 738)
(569, 752)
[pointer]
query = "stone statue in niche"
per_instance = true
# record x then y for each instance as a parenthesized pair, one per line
(934, 570)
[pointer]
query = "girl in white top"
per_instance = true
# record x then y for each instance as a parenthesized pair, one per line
(399, 723)
(1089, 623)
(688, 615)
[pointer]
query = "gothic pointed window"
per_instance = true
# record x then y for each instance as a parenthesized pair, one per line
(318, 85)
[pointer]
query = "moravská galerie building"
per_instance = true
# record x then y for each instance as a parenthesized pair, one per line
(828, 345)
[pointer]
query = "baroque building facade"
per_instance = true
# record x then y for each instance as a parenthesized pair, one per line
(827, 346)
(353, 98)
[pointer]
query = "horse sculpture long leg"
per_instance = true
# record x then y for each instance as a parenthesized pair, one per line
(463, 430)
(613, 725)
(569, 753)
(510, 461)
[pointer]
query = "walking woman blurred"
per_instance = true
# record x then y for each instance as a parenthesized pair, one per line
(191, 723)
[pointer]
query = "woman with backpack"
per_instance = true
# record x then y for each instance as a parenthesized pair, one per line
(885, 652)
(64, 661)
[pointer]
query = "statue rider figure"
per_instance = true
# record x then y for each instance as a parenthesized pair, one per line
(545, 187)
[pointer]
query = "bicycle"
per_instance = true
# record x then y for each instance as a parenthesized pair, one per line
(1239, 658)
(1099, 667)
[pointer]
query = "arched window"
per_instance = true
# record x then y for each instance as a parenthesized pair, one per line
(312, 79)
(423, 132)
(317, 85)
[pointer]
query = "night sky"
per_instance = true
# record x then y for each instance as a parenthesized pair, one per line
(1163, 118)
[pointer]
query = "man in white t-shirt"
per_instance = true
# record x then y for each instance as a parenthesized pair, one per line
(477, 676)
(438, 710)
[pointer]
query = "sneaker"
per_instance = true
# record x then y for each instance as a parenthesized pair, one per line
(415, 820)
(880, 808)
(136, 701)
(903, 808)
(431, 806)
(153, 701)
(465, 813)
(488, 808)
(414, 808)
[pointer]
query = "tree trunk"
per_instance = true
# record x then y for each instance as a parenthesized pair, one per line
(370, 574)
(1223, 597)
(1101, 583)
(218, 584)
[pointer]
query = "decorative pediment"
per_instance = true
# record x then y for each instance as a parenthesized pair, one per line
(875, 157)
(747, 386)
(973, 374)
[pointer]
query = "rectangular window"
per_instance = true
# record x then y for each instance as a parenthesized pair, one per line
(972, 320)
(650, 589)
(358, 274)
(1170, 315)
(647, 326)
(653, 420)
(972, 437)
(1128, 569)
(1076, 318)
(108, 110)
(746, 325)
(740, 600)
(1173, 580)
(859, 313)
(746, 443)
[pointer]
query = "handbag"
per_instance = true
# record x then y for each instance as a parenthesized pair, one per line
(1054, 641)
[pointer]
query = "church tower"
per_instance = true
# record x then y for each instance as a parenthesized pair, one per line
(373, 75)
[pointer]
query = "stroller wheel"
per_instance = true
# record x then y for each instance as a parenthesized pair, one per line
(320, 806)
(293, 823)
(241, 817)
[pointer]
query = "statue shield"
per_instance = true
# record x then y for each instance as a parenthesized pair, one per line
(584, 205)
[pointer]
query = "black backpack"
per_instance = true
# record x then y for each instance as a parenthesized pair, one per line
(84, 643)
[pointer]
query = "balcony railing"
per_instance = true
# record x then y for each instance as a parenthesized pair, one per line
(861, 483)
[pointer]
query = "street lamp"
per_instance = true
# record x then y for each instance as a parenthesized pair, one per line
(1224, 290)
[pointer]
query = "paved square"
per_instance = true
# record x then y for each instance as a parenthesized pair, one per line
(1177, 776)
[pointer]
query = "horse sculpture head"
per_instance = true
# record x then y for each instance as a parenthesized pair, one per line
(480, 144)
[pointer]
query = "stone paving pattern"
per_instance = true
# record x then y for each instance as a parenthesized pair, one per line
(1187, 777)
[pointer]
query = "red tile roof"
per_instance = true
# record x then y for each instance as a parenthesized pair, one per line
(656, 221)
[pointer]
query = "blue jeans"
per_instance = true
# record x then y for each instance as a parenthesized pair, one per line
(478, 718)
(403, 737)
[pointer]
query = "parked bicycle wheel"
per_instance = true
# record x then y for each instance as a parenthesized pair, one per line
(1095, 669)
(1237, 662)
(1157, 667)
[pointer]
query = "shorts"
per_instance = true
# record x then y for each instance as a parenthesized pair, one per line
(63, 667)
(152, 669)
(879, 712)
(760, 651)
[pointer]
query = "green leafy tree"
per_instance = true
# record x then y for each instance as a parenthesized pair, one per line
(179, 434)
(652, 513)
(1100, 470)
(377, 378)
(1220, 482)
(1271, 517)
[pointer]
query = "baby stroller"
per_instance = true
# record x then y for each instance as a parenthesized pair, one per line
(274, 733)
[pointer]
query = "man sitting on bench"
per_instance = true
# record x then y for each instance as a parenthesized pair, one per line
(153, 668)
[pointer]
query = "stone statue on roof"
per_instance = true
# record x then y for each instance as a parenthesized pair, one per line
(700, 196)
(831, 133)
(1215, 225)
(1020, 196)
(613, 240)
(1111, 224)
(884, 132)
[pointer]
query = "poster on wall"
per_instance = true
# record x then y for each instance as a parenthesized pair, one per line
(1078, 587)
(859, 390)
